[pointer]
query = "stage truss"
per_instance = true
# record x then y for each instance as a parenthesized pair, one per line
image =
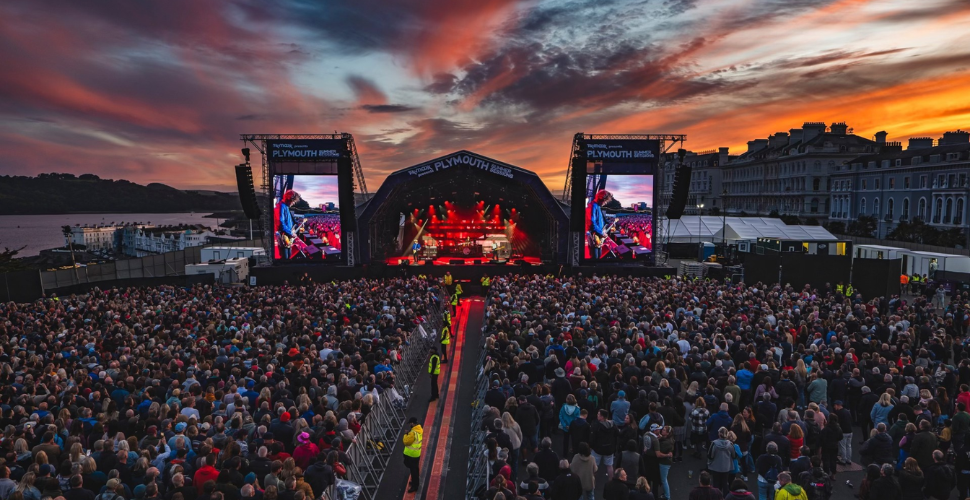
(667, 143)
(258, 141)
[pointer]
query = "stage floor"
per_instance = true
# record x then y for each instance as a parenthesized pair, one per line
(453, 261)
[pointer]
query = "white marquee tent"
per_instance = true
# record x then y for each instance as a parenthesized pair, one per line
(693, 228)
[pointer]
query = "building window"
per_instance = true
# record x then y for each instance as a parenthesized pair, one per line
(906, 182)
(921, 208)
(864, 185)
(890, 205)
(905, 214)
(892, 183)
(875, 182)
(948, 213)
(958, 217)
(862, 207)
(937, 210)
(875, 207)
(816, 183)
(814, 205)
(899, 162)
(922, 182)
(940, 180)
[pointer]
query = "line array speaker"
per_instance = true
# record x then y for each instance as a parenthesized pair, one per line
(679, 192)
(247, 194)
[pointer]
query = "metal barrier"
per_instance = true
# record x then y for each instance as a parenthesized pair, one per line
(371, 450)
(477, 461)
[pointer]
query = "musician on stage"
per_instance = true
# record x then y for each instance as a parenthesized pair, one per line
(415, 249)
(594, 220)
(284, 220)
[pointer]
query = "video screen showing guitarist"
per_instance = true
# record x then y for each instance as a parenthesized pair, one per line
(285, 229)
(595, 223)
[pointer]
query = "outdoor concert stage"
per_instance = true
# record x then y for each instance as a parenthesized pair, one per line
(463, 209)
(453, 261)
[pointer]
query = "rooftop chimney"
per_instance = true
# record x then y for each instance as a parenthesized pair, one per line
(812, 130)
(795, 135)
(839, 128)
(951, 138)
(881, 137)
(889, 147)
(778, 140)
(920, 143)
(757, 145)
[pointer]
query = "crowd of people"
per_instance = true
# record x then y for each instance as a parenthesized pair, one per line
(776, 385)
(197, 393)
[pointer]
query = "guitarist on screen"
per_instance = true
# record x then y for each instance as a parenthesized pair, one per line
(284, 221)
(595, 223)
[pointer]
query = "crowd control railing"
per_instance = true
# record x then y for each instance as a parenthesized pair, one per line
(477, 477)
(370, 452)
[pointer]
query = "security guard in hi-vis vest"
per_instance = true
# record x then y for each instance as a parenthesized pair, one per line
(486, 286)
(448, 280)
(412, 452)
(434, 369)
(445, 342)
(446, 317)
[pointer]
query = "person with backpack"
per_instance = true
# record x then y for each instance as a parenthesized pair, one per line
(720, 458)
(817, 484)
(789, 490)
(768, 466)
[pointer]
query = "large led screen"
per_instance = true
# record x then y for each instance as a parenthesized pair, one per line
(306, 218)
(619, 218)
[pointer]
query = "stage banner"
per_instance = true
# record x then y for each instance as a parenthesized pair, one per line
(461, 158)
(622, 156)
(304, 149)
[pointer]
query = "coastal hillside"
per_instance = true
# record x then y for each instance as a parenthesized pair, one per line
(67, 193)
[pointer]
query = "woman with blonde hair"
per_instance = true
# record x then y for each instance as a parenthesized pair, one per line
(76, 452)
(27, 488)
(880, 411)
(642, 490)
(512, 428)
(24, 456)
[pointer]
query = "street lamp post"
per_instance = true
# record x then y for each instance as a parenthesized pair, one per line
(700, 212)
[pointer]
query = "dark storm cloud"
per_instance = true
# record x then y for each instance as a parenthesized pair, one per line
(387, 108)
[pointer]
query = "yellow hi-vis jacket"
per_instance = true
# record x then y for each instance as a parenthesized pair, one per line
(446, 335)
(412, 442)
(486, 281)
(434, 365)
(446, 318)
(448, 279)
(458, 289)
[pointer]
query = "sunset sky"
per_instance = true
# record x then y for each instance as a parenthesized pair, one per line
(154, 91)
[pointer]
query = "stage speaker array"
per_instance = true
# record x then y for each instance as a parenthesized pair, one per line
(577, 209)
(247, 194)
(345, 181)
(679, 192)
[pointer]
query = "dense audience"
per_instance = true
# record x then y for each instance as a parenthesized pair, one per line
(210, 393)
(778, 385)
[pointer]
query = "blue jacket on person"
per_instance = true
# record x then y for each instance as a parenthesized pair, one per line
(716, 421)
(596, 219)
(286, 220)
(880, 414)
(744, 378)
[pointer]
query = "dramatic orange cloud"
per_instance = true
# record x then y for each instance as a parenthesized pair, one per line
(160, 91)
